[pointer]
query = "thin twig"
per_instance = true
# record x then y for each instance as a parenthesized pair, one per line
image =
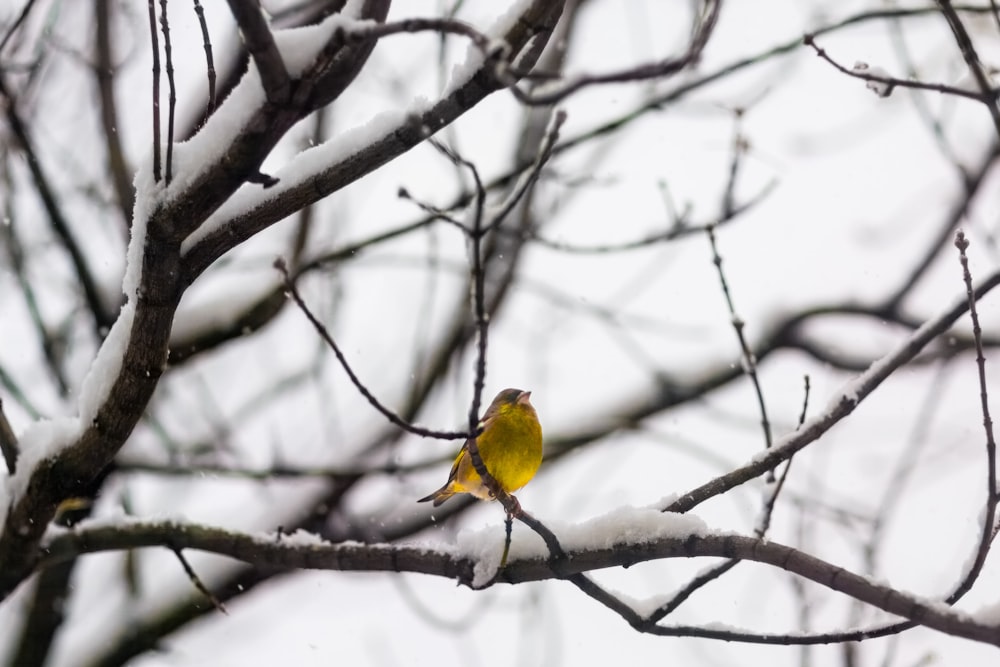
(275, 471)
(104, 73)
(481, 324)
(478, 277)
(680, 597)
(964, 41)
(196, 581)
(431, 210)
(155, 41)
(508, 529)
(53, 346)
(893, 82)
(61, 224)
(8, 442)
(749, 359)
(480, 321)
(703, 30)
(280, 265)
(805, 401)
(530, 177)
(739, 150)
(713, 573)
(478, 299)
(209, 59)
(17, 393)
(989, 515)
(18, 22)
(676, 229)
(972, 184)
(172, 99)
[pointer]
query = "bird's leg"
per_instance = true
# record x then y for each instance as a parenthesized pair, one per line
(513, 507)
(509, 502)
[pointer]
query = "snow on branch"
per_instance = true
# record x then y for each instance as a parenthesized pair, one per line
(620, 538)
(326, 168)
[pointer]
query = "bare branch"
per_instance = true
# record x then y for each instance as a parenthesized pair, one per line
(18, 22)
(704, 27)
(209, 58)
(748, 358)
(155, 44)
(891, 82)
(104, 75)
(864, 385)
(168, 57)
(8, 442)
(375, 403)
(989, 97)
(988, 517)
(196, 581)
(57, 218)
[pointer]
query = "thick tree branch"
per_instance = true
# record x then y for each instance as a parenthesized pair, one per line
(539, 19)
(335, 67)
(283, 552)
(70, 471)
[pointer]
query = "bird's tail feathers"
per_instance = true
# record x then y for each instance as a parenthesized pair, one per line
(438, 496)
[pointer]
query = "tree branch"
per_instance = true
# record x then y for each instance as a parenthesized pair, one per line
(539, 18)
(60, 224)
(260, 43)
(104, 76)
(284, 552)
(849, 399)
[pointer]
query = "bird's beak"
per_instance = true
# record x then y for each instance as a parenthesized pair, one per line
(523, 399)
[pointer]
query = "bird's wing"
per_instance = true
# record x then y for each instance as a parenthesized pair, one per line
(483, 424)
(458, 460)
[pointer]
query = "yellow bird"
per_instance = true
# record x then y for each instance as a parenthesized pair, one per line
(510, 445)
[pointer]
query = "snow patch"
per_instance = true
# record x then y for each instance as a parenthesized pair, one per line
(618, 528)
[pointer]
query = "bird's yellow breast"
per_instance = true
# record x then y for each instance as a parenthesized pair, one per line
(511, 448)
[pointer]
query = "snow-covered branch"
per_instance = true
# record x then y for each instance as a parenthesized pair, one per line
(621, 538)
(318, 172)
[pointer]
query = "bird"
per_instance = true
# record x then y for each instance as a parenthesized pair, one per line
(510, 445)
